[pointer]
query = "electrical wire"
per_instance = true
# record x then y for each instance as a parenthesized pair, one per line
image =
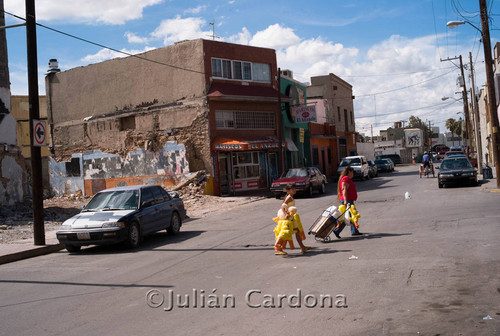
(109, 48)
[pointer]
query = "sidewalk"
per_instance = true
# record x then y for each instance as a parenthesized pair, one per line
(489, 185)
(23, 249)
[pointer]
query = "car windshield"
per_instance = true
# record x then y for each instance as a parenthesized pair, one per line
(380, 162)
(114, 200)
(296, 172)
(350, 162)
(456, 164)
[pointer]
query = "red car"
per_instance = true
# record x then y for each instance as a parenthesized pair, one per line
(473, 159)
(306, 180)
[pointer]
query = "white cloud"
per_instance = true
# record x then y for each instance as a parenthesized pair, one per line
(242, 37)
(231, 2)
(133, 38)
(178, 29)
(106, 54)
(195, 10)
(275, 36)
(84, 11)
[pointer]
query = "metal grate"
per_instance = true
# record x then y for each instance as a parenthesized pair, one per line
(244, 120)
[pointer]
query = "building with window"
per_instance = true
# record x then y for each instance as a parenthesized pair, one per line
(333, 135)
(295, 126)
(340, 111)
(154, 117)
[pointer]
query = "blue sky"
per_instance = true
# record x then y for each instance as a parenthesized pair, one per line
(388, 50)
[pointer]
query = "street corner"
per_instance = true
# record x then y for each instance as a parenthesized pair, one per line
(15, 252)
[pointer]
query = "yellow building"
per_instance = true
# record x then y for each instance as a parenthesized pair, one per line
(19, 106)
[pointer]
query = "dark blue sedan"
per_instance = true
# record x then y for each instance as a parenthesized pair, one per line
(123, 214)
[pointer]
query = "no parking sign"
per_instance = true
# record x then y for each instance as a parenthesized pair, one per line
(39, 133)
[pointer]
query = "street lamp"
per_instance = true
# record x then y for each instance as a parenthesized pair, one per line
(492, 110)
(455, 24)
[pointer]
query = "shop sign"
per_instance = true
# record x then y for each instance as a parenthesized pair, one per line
(247, 146)
(305, 114)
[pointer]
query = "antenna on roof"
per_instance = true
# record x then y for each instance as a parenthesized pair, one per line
(213, 36)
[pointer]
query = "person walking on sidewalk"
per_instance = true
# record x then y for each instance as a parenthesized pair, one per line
(346, 194)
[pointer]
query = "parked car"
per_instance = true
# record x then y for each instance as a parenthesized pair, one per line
(456, 149)
(473, 159)
(373, 168)
(396, 159)
(456, 170)
(383, 165)
(358, 163)
(453, 153)
(391, 164)
(306, 180)
(123, 214)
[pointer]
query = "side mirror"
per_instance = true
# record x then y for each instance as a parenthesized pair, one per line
(146, 204)
(173, 194)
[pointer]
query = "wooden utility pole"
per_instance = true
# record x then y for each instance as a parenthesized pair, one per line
(492, 108)
(34, 113)
(466, 104)
(475, 114)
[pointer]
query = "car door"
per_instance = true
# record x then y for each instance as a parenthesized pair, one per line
(165, 207)
(149, 211)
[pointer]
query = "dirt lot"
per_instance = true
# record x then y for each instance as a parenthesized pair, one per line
(16, 223)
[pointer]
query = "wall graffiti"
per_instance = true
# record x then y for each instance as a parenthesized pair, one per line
(103, 170)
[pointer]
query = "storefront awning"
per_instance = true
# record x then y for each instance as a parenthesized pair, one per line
(229, 91)
(225, 144)
(290, 145)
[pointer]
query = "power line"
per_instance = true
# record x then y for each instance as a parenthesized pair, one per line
(414, 109)
(406, 87)
(109, 48)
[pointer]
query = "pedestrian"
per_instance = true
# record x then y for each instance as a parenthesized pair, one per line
(346, 194)
(289, 211)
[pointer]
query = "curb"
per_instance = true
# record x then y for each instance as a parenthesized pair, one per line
(34, 252)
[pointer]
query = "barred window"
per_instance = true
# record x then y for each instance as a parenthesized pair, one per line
(244, 120)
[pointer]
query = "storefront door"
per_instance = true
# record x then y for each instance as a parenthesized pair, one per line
(224, 174)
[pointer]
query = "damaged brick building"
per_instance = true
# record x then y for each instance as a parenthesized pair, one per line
(154, 117)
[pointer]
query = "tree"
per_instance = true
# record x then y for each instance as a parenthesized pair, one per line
(455, 127)
(416, 122)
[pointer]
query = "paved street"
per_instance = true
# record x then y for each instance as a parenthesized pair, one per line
(428, 265)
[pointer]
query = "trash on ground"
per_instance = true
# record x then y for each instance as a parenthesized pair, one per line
(353, 257)
(407, 195)
(488, 317)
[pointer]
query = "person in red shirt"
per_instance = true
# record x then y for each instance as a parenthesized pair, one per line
(346, 194)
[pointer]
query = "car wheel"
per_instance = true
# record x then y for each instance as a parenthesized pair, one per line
(134, 236)
(72, 248)
(322, 189)
(310, 190)
(440, 185)
(175, 224)
(278, 196)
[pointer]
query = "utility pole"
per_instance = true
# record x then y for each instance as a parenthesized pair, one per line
(475, 115)
(466, 104)
(34, 113)
(280, 124)
(492, 108)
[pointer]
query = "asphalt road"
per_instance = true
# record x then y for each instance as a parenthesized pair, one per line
(427, 265)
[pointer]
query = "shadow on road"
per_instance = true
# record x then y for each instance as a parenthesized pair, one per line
(149, 243)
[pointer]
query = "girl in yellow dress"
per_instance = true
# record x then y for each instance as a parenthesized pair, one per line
(288, 223)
